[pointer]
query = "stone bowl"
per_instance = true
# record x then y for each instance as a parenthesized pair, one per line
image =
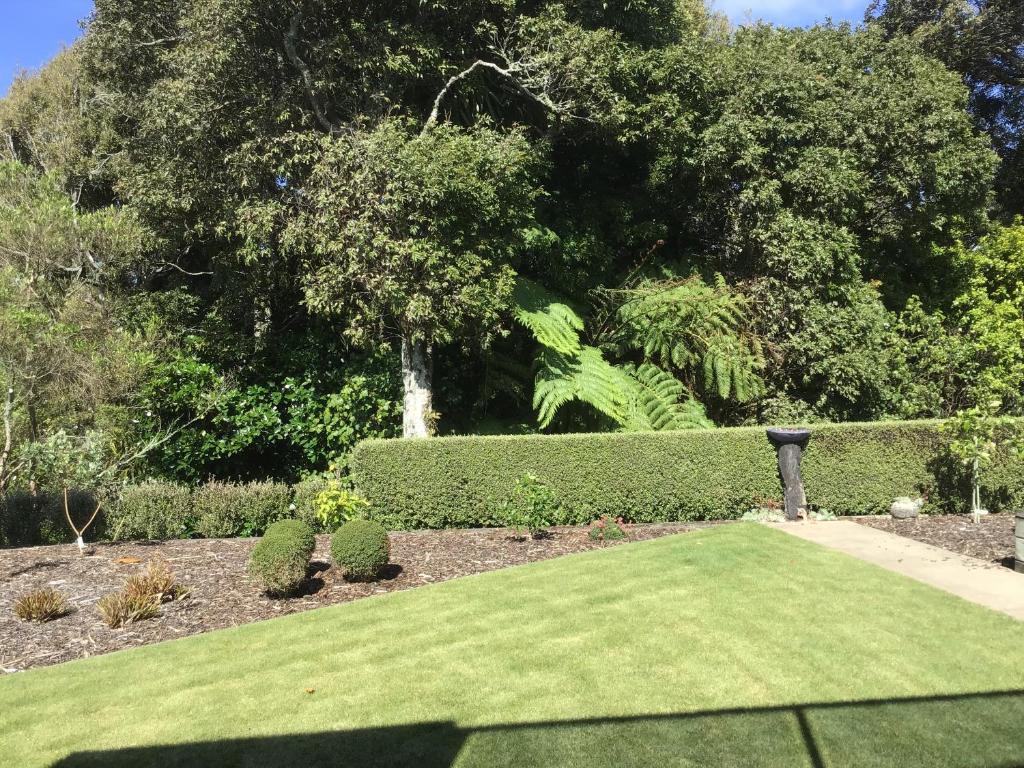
(780, 436)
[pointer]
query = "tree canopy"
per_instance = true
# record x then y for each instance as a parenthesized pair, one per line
(272, 229)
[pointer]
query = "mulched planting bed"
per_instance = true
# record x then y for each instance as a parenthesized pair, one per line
(991, 539)
(223, 595)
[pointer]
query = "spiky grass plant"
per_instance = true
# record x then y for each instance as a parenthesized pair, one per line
(42, 605)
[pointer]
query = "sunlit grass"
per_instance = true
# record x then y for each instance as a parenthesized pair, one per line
(736, 645)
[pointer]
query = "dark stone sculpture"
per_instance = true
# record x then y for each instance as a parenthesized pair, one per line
(790, 443)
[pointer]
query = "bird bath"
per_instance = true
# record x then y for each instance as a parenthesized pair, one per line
(789, 444)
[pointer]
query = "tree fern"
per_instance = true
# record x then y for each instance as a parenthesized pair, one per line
(586, 377)
(635, 398)
(698, 328)
(659, 401)
(553, 324)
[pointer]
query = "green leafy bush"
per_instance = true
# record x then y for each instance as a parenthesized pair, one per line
(239, 509)
(280, 559)
(151, 510)
(532, 507)
(671, 476)
(299, 530)
(362, 548)
(304, 495)
(337, 504)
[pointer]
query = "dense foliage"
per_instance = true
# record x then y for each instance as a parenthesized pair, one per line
(361, 548)
(692, 475)
(236, 238)
(280, 559)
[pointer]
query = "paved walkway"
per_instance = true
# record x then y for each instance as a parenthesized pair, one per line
(987, 584)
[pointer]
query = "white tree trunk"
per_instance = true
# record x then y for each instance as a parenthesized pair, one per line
(5, 452)
(417, 365)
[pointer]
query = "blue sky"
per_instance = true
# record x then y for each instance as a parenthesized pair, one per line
(34, 30)
(792, 13)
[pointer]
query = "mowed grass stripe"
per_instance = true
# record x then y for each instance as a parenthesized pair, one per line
(711, 645)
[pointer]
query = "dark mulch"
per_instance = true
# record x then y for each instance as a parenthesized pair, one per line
(223, 595)
(991, 539)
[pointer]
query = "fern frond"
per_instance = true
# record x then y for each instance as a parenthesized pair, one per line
(657, 402)
(693, 326)
(554, 325)
(586, 377)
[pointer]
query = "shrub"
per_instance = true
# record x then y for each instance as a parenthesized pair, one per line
(362, 548)
(532, 506)
(606, 529)
(121, 608)
(336, 505)
(663, 476)
(298, 530)
(280, 559)
(151, 510)
(304, 495)
(42, 605)
(239, 509)
(30, 519)
(156, 581)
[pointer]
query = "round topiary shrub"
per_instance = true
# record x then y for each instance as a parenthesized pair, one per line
(362, 548)
(298, 529)
(280, 559)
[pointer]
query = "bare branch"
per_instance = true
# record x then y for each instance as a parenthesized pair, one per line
(171, 265)
(158, 41)
(307, 76)
(510, 73)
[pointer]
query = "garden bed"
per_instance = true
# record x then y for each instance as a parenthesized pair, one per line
(990, 540)
(223, 595)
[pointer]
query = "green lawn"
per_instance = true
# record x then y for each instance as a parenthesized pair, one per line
(736, 645)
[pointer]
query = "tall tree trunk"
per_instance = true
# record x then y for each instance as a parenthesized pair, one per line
(5, 453)
(417, 375)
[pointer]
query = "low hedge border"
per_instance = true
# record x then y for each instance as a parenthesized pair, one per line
(157, 509)
(714, 474)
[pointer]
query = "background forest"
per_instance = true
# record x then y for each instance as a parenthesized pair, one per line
(236, 237)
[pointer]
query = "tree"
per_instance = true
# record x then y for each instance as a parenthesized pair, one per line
(976, 436)
(818, 170)
(414, 236)
(69, 372)
(991, 313)
(983, 40)
(220, 185)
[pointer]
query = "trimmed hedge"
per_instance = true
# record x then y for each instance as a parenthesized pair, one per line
(151, 510)
(666, 476)
(304, 495)
(223, 510)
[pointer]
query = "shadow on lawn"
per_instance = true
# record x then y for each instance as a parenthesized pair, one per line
(978, 729)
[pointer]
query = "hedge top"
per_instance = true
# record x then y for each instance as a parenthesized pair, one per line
(853, 468)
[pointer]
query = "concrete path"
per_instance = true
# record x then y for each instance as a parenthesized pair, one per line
(987, 584)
